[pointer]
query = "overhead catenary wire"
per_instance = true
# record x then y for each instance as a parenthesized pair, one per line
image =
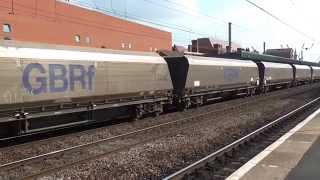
(142, 19)
(188, 11)
(192, 13)
(207, 15)
(93, 6)
(101, 25)
(81, 21)
(283, 22)
(94, 3)
(158, 23)
(162, 24)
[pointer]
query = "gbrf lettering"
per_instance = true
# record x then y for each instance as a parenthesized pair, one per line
(57, 78)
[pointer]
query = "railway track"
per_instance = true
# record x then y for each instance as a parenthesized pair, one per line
(47, 163)
(56, 133)
(39, 136)
(225, 161)
(94, 150)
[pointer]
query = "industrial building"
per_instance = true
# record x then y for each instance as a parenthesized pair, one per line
(64, 23)
(211, 46)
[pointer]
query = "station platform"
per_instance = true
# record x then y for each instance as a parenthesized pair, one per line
(295, 156)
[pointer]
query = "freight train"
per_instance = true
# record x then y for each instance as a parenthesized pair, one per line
(46, 86)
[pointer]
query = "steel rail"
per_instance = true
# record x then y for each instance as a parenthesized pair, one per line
(27, 135)
(44, 156)
(69, 164)
(185, 171)
(26, 160)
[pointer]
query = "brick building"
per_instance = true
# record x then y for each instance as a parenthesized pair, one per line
(59, 22)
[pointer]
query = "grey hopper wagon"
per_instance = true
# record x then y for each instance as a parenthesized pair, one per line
(51, 80)
(302, 74)
(276, 75)
(315, 73)
(47, 86)
(197, 80)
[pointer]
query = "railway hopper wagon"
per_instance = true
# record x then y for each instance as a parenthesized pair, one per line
(275, 75)
(197, 80)
(315, 73)
(303, 74)
(40, 82)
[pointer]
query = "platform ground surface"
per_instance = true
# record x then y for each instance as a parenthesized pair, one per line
(296, 155)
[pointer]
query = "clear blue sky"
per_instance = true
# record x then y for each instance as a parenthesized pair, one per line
(189, 19)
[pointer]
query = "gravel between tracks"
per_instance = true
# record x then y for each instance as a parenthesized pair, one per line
(22, 151)
(44, 146)
(163, 155)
